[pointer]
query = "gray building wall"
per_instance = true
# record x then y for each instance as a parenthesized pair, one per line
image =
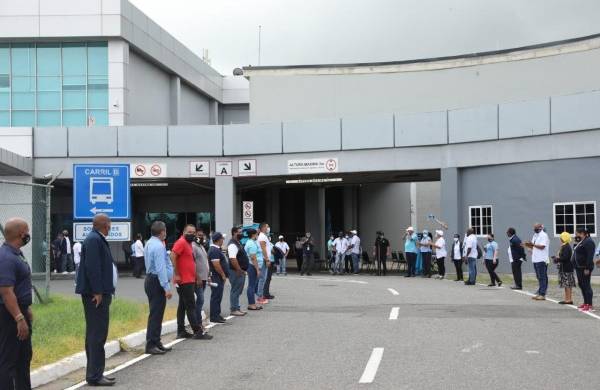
(427, 202)
(194, 107)
(148, 99)
(234, 114)
(522, 194)
(383, 207)
(301, 97)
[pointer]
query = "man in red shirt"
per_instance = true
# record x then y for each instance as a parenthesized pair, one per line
(184, 270)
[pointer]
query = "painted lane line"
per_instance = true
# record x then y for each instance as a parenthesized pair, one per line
(372, 366)
(554, 301)
(472, 348)
(394, 292)
(532, 352)
(394, 313)
(133, 361)
(341, 280)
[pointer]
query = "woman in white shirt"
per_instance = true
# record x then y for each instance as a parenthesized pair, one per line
(440, 253)
(457, 250)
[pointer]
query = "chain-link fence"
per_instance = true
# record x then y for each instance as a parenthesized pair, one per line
(31, 202)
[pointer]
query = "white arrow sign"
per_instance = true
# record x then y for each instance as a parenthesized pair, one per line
(95, 210)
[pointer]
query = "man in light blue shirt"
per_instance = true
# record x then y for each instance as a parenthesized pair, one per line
(410, 250)
(159, 273)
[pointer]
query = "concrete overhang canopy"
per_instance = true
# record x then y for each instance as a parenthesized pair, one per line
(12, 164)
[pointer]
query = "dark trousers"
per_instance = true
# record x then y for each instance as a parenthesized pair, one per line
(458, 265)
(411, 259)
(307, 264)
(426, 263)
(15, 355)
(348, 264)
(382, 265)
(441, 266)
(516, 271)
(585, 284)
(299, 260)
(491, 268)
(157, 301)
(216, 296)
(187, 306)
(270, 270)
(96, 332)
(138, 266)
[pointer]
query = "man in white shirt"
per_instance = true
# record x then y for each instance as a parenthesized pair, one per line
(285, 250)
(263, 247)
(539, 246)
(470, 251)
(137, 253)
(76, 258)
(340, 245)
(355, 251)
(440, 253)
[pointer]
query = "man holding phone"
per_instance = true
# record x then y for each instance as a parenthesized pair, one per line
(96, 282)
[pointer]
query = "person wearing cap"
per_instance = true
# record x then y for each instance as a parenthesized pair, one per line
(440, 253)
(410, 250)
(381, 252)
(355, 251)
(425, 248)
(566, 278)
(219, 271)
(285, 250)
(539, 246)
(457, 250)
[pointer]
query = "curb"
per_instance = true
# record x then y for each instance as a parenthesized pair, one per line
(54, 371)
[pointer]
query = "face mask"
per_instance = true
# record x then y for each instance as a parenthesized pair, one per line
(537, 230)
(490, 240)
(577, 239)
(25, 239)
(238, 236)
(268, 230)
(189, 237)
(455, 239)
(308, 235)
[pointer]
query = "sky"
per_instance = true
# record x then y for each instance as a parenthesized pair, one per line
(349, 31)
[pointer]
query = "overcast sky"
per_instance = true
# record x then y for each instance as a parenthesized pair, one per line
(342, 31)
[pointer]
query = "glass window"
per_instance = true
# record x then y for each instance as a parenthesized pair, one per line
(481, 220)
(4, 101)
(4, 59)
(568, 217)
(97, 92)
(48, 83)
(48, 118)
(74, 59)
(74, 118)
(23, 59)
(48, 57)
(98, 118)
(74, 97)
(23, 118)
(4, 82)
(98, 58)
(4, 118)
(48, 100)
(23, 100)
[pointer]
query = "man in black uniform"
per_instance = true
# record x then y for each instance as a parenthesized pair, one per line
(15, 308)
(382, 248)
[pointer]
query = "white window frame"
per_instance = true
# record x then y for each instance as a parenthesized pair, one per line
(557, 234)
(481, 215)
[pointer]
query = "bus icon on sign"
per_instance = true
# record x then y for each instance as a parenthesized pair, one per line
(101, 190)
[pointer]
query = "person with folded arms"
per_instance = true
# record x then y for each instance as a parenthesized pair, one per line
(254, 269)
(584, 264)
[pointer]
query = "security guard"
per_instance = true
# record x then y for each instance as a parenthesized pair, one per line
(15, 308)
(382, 248)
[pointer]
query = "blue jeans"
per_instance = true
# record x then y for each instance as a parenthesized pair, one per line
(338, 266)
(355, 262)
(199, 302)
(252, 282)
(541, 273)
(282, 267)
(261, 280)
(237, 287)
(216, 296)
(472, 269)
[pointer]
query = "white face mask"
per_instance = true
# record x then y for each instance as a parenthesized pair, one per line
(455, 239)
(268, 230)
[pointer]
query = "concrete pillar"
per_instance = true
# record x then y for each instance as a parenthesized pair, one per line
(175, 100)
(450, 200)
(213, 113)
(314, 206)
(224, 203)
(273, 208)
(321, 240)
(118, 61)
(413, 206)
(350, 207)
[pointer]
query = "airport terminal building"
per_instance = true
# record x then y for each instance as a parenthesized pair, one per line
(488, 140)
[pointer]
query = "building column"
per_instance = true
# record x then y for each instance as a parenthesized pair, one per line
(450, 199)
(175, 100)
(224, 204)
(314, 216)
(413, 205)
(322, 240)
(273, 208)
(213, 112)
(350, 207)
(118, 61)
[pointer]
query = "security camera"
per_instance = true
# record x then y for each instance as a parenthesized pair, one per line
(47, 176)
(238, 72)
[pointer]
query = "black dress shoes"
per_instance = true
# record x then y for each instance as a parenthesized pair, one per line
(219, 320)
(184, 335)
(102, 383)
(155, 351)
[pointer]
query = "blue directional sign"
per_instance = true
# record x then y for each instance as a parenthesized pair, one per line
(101, 188)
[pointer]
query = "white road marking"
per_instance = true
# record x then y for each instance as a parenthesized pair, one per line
(394, 313)
(133, 361)
(532, 352)
(372, 366)
(472, 348)
(394, 292)
(340, 279)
